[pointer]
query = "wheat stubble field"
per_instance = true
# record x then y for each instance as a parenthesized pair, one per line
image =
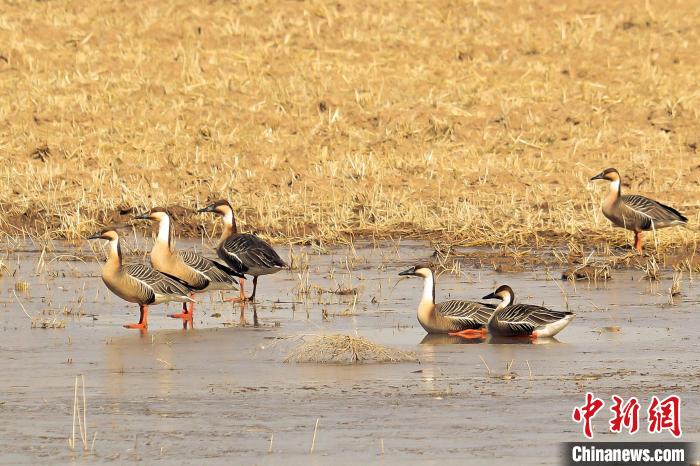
(358, 139)
(475, 123)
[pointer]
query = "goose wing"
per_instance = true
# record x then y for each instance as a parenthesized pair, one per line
(250, 252)
(466, 311)
(147, 278)
(648, 210)
(525, 318)
(211, 270)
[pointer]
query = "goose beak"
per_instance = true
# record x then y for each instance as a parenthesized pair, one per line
(599, 176)
(95, 236)
(142, 217)
(209, 208)
(408, 272)
(491, 296)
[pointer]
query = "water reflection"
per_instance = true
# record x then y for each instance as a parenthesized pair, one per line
(129, 357)
(445, 339)
(494, 340)
(436, 339)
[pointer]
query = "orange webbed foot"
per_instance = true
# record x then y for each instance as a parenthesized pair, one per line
(139, 326)
(235, 300)
(469, 333)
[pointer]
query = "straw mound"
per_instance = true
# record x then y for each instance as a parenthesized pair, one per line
(346, 349)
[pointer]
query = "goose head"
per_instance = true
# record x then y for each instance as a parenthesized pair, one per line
(110, 234)
(611, 175)
(504, 293)
(222, 208)
(155, 214)
(418, 270)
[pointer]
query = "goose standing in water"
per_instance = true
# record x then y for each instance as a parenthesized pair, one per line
(138, 283)
(524, 320)
(636, 213)
(244, 253)
(455, 317)
(199, 273)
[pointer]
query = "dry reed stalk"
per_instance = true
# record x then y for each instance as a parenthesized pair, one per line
(487, 366)
(313, 440)
(81, 416)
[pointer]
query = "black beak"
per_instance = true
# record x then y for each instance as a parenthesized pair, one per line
(209, 208)
(491, 296)
(142, 217)
(408, 272)
(599, 176)
(95, 236)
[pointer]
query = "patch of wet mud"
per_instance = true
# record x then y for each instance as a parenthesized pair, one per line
(222, 390)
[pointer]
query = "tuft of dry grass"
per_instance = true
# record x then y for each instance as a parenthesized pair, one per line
(651, 269)
(325, 120)
(675, 289)
(346, 349)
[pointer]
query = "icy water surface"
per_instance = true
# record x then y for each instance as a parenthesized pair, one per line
(220, 393)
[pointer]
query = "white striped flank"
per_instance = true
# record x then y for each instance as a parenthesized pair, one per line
(551, 329)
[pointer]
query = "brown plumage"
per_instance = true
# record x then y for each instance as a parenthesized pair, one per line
(515, 320)
(138, 283)
(634, 212)
(454, 316)
(244, 253)
(199, 273)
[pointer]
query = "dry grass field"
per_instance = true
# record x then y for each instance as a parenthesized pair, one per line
(474, 123)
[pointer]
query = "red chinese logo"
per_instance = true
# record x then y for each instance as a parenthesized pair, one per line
(587, 412)
(626, 415)
(665, 415)
(661, 415)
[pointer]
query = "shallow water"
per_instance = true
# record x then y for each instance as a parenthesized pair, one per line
(221, 391)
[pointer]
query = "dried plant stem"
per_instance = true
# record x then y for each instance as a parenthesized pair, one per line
(313, 440)
(80, 414)
(487, 366)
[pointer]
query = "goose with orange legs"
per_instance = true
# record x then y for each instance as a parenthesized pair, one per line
(455, 317)
(634, 212)
(243, 252)
(199, 273)
(138, 283)
(524, 320)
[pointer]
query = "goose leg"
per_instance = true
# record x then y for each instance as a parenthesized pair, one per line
(469, 333)
(241, 282)
(255, 287)
(187, 314)
(143, 319)
(638, 241)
